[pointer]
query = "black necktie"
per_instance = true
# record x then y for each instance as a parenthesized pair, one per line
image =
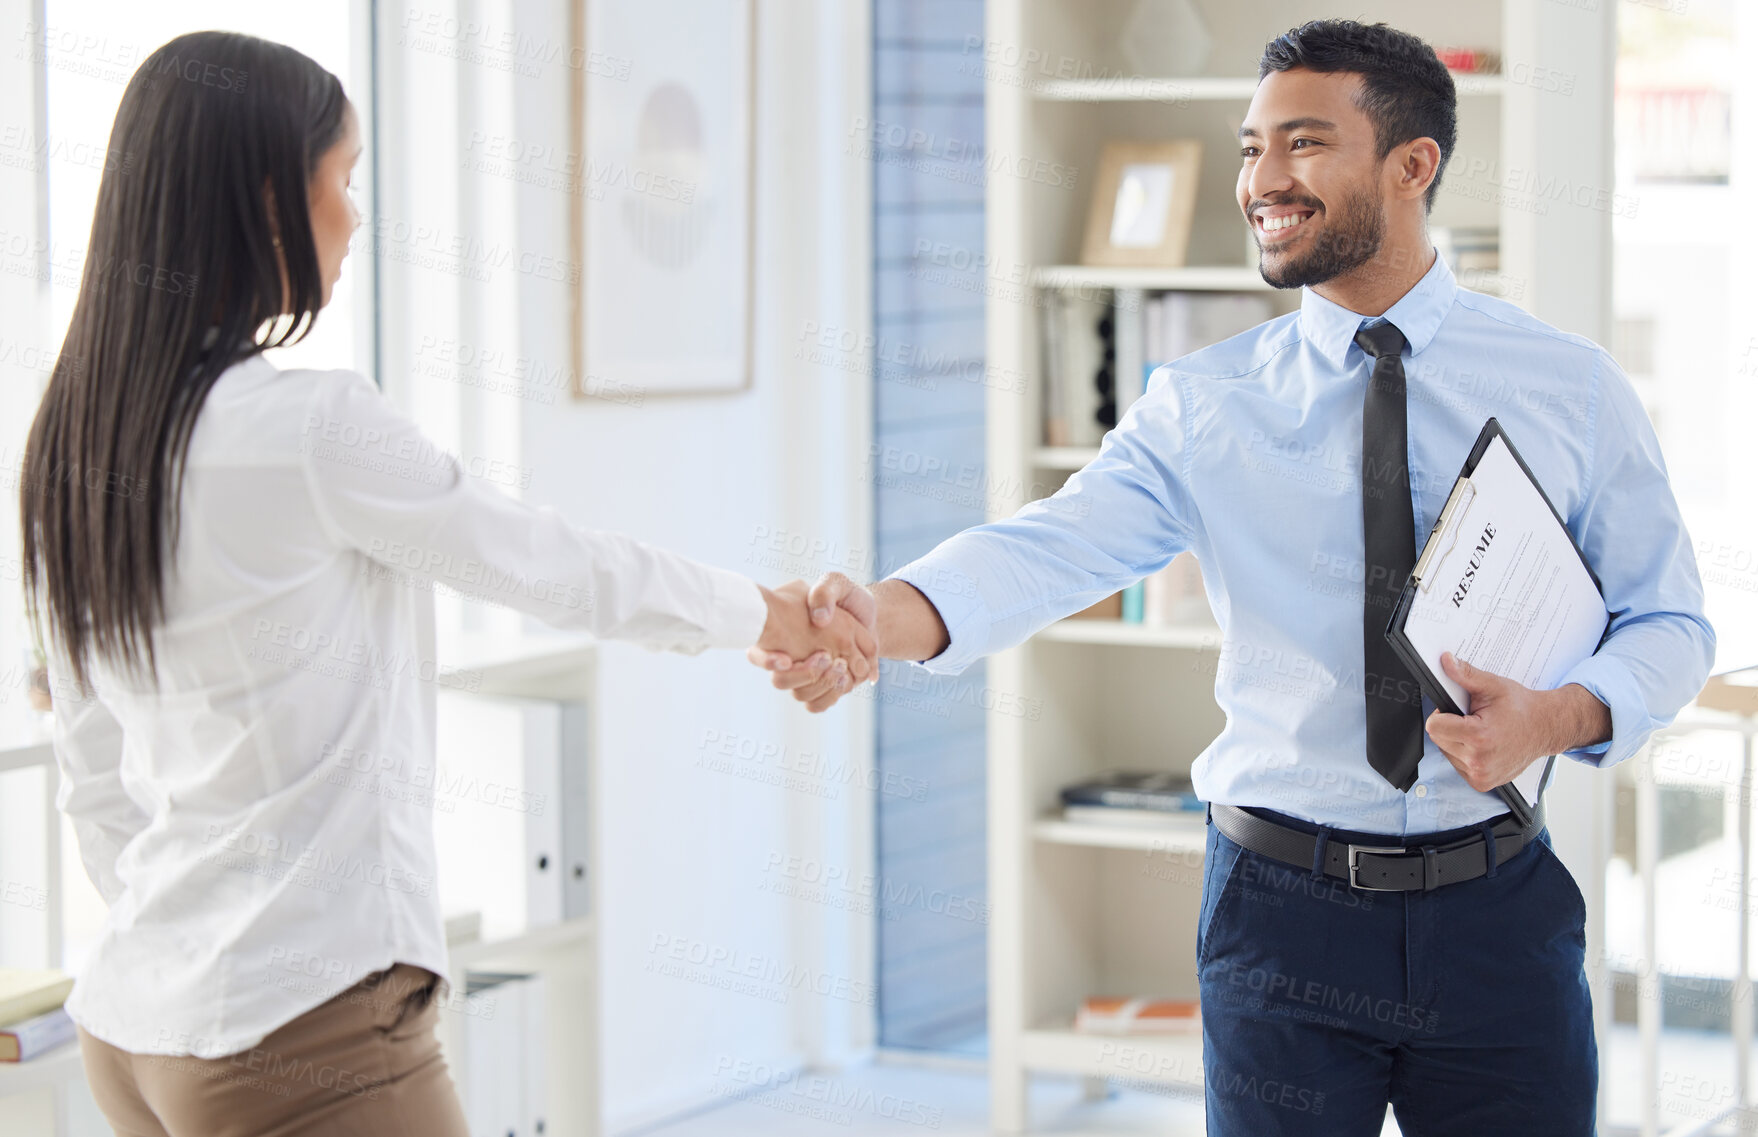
(1394, 702)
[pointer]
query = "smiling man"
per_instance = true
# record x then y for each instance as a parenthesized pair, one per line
(1375, 927)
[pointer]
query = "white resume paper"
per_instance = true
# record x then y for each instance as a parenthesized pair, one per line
(1506, 590)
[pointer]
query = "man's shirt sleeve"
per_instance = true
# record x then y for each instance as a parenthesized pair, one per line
(1126, 514)
(1660, 646)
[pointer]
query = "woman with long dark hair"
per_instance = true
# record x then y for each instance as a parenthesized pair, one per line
(232, 568)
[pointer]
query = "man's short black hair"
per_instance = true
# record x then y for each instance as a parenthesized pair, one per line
(1405, 89)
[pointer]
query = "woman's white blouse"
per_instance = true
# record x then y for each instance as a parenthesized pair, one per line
(247, 881)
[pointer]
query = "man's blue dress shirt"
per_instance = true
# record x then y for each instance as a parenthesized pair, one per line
(1248, 454)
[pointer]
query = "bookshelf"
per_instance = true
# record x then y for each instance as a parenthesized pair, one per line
(44, 1087)
(1083, 909)
(565, 954)
(535, 666)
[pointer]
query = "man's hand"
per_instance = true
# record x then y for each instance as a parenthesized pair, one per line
(815, 678)
(819, 644)
(1511, 726)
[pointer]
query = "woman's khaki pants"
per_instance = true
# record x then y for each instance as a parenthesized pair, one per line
(365, 1064)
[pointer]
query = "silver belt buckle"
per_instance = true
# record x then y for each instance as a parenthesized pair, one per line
(1355, 851)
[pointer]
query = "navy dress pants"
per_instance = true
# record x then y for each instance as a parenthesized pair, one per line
(1466, 1008)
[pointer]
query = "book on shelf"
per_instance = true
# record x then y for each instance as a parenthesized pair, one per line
(1153, 332)
(503, 1080)
(1170, 598)
(1105, 1015)
(1174, 324)
(1133, 599)
(1079, 366)
(1174, 597)
(26, 1039)
(1156, 791)
(25, 994)
(1474, 254)
(463, 926)
(1123, 817)
(1110, 608)
(1131, 371)
(1469, 60)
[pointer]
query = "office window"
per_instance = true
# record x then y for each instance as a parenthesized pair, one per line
(89, 49)
(1685, 333)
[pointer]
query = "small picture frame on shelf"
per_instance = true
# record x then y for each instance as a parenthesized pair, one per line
(1143, 201)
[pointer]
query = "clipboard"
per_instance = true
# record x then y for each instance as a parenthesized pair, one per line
(1450, 528)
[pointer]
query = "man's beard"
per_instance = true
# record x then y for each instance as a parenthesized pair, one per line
(1350, 238)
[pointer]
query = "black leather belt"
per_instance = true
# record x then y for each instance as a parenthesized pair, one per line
(1408, 867)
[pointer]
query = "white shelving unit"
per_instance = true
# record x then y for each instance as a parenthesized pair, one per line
(1082, 909)
(25, 744)
(1203, 278)
(1064, 457)
(565, 954)
(1168, 838)
(1116, 633)
(1176, 1061)
(542, 665)
(46, 1071)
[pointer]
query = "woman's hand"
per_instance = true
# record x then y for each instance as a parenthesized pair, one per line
(818, 678)
(827, 651)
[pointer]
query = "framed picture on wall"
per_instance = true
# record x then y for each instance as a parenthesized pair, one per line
(1143, 200)
(662, 226)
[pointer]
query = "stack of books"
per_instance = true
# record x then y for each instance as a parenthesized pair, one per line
(1100, 348)
(1131, 797)
(1174, 324)
(1175, 595)
(1172, 597)
(32, 1021)
(1098, 1015)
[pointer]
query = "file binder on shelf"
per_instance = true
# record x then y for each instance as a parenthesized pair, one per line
(503, 1083)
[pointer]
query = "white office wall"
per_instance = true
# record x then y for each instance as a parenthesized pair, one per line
(691, 849)
(697, 839)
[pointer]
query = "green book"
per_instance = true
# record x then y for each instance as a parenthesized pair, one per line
(1134, 598)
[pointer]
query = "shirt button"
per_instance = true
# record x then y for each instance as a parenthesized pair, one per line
(1421, 791)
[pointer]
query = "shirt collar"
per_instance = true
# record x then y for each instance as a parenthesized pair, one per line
(1331, 328)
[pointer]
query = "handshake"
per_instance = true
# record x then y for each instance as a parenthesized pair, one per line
(821, 642)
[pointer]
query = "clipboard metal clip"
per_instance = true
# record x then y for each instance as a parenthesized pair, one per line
(1452, 516)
